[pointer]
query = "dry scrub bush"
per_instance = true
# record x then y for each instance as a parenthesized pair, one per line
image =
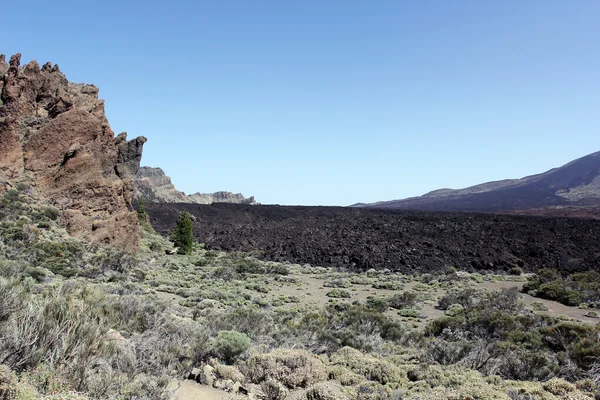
(326, 391)
(375, 391)
(274, 390)
(344, 375)
(228, 372)
(55, 330)
(371, 368)
(293, 368)
(558, 386)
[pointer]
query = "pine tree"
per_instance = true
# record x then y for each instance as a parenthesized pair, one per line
(183, 235)
(141, 211)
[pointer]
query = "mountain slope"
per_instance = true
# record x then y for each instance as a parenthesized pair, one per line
(576, 183)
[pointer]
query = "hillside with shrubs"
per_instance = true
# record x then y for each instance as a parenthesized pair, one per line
(88, 321)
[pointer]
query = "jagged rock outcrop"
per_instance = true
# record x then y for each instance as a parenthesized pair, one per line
(153, 185)
(54, 136)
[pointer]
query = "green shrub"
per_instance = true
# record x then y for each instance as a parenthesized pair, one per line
(409, 313)
(337, 283)
(454, 310)
(377, 303)
(402, 300)
(539, 306)
(515, 271)
(50, 212)
(388, 285)
(231, 344)
(339, 293)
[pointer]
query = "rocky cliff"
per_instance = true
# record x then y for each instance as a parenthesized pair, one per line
(55, 137)
(153, 185)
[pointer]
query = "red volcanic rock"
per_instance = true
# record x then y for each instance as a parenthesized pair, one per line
(54, 136)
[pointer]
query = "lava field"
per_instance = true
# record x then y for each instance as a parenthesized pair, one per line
(406, 241)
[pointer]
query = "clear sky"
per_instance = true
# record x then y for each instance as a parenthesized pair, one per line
(332, 102)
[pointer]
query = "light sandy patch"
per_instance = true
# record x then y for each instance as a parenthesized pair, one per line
(190, 390)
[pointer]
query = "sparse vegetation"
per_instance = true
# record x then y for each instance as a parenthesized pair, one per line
(83, 321)
(583, 287)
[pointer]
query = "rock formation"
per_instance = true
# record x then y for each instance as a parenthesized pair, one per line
(153, 185)
(54, 136)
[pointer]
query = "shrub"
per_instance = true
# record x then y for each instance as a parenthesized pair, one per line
(465, 297)
(403, 300)
(338, 283)
(515, 271)
(230, 344)
(377, 303)
(454, 310)
(228, 372)
(409, 313)
(249, 320)
(388, 285)
(371, 368)
(539, 306)
(293, 368)
(50, 212)
(326, 391)
(572, 291)
(274, 390)
(558, 387)
(339, 293)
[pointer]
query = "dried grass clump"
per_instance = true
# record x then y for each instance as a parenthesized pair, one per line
(293, 368)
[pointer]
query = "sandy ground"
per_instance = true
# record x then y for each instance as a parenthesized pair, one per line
(190, 390)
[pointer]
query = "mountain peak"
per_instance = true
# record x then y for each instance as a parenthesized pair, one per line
(576, 183)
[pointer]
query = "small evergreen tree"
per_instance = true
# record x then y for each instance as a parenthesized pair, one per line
(183, 235)
(141, 210)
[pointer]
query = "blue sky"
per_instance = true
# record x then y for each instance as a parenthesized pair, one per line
(332, 102)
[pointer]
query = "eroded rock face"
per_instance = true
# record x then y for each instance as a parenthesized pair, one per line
(54, 136)
(153, 185)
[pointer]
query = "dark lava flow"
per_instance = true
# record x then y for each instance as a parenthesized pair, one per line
(406, 241)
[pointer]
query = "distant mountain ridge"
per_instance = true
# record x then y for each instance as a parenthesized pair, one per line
(154, 185)
(576, 183)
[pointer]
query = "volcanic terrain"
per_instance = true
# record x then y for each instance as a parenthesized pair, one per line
(406, 241)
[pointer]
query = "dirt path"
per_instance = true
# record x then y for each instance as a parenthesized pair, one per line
(190, 390)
